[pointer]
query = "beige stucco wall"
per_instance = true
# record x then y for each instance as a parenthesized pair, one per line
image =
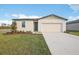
(28, 25)
(73, 26)
(51, 19)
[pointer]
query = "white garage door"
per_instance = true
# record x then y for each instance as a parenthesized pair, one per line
(51, 27)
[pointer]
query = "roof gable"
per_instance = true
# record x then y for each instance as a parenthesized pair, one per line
(54, 16)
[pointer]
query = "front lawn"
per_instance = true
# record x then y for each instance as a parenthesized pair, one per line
(23, 44)
(74, 32)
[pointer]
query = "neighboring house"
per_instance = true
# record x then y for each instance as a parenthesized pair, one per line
(50, 23)
(73, 25)
(5, 25)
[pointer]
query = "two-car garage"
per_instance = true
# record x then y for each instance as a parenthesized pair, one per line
(52, 23)
(51, 27)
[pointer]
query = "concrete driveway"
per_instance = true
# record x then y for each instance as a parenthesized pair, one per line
(62, 43)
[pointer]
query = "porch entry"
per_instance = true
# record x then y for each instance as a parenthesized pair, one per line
(35, 26)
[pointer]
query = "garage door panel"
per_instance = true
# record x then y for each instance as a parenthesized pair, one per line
(50, 27)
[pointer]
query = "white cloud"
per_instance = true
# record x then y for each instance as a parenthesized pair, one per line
(6, 22)
(73, 18)
(14, 15)
(24, 16)
(33, 16)
(75, 7)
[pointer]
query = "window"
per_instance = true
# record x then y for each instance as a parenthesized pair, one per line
(23, 24)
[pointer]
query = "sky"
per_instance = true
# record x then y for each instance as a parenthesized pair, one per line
(11, 11)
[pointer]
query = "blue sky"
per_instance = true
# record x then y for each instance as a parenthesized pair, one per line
(10, 11)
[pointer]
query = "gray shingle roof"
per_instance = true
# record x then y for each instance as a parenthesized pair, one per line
(24, 19)
(41, 18)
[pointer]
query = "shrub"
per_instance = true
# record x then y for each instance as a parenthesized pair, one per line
(13, 26)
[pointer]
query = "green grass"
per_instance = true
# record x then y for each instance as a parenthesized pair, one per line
(22, 44)
(74, 33)
(5, 27)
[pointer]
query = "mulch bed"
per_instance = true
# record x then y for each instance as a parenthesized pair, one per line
(20, 32)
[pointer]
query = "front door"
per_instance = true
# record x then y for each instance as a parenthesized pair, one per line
(35, 26)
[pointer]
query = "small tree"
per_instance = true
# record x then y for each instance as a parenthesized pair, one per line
(13, 26)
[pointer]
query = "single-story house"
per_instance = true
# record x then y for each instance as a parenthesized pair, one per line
(73, 25)
(50, 23)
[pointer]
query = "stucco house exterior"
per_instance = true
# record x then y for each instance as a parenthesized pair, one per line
(50, 23)
(73, 25)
